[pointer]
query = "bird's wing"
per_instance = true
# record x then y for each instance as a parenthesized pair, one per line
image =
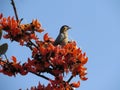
(59, 39)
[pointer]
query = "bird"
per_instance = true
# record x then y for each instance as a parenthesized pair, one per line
(62, 38)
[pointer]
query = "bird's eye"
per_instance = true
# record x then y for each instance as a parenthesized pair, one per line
(65, 28)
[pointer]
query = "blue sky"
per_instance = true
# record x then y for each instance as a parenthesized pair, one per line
(95, 27)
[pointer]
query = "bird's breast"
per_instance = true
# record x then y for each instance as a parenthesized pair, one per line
(65, 40)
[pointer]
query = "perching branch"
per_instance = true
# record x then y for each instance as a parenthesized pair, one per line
(15, 11)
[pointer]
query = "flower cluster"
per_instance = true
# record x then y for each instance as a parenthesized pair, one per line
(54, 60)
(62, 86)
(19, 32)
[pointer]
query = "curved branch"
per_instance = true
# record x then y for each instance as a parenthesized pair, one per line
(15, 11)
(40, 75)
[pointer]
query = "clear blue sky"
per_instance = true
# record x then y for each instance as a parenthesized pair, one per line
(95, 27)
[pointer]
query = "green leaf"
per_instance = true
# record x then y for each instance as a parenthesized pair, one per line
(3, 48)
(0, 34)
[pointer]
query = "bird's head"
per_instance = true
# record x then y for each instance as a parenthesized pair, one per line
(64, 28)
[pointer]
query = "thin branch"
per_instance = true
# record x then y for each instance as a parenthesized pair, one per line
(6, 57)
(70, 79)
(33, 44)
(15, 11)
(49, 70)
(40, 76)
(2, 61)
(20, 20)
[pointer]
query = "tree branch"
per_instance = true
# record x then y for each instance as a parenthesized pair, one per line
(40, 75)
(15, 11)
(33, 44)
(70, 79)
(6, 57)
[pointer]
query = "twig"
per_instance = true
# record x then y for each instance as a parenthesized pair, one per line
(33, 44)
(70, 79)
(40, 76)
(15, 11)
(49, 70)
(21, 20)
(6, 57)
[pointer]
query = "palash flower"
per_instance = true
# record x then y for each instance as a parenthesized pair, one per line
(19, 32)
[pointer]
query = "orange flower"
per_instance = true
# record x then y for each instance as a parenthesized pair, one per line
(46, 37)
(43, 50)
(7, 73)
(47, 64)
(12, 23)
(40, 30)
(51, 47)
(25, 27)
(82, 72)
(3, 22)
(36, 23)
(23, 71)
(83, 78)
(70, 46)
(84, 60)
(33, 36)
(75, 84)
(14, 59)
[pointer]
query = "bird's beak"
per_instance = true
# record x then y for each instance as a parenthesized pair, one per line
(69, 28)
